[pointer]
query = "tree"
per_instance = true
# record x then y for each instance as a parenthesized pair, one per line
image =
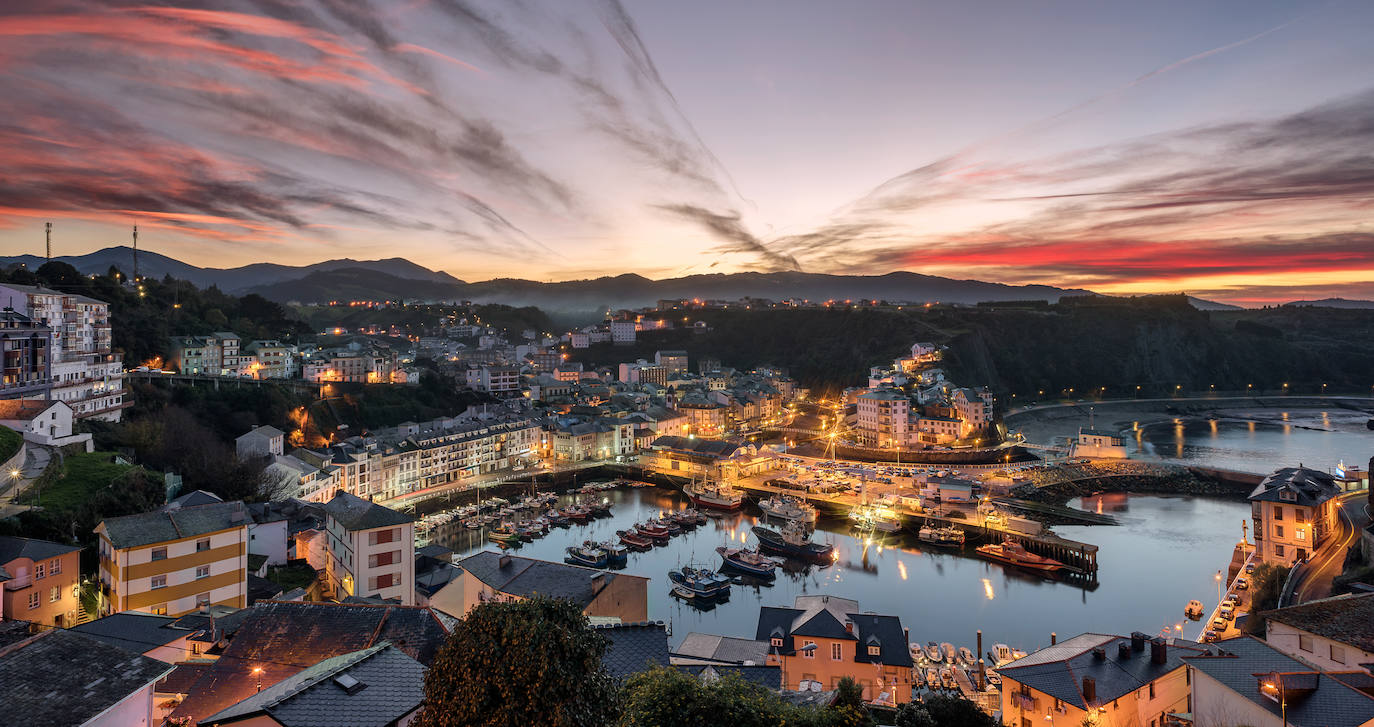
(532, 662)
(914, 714)
(668, 697)
(951, 711)
(848, 708)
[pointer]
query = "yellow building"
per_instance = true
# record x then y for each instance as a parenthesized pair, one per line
(174, 560)
(824, 639)
(1294, 510)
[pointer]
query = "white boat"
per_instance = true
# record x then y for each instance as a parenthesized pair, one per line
(932, 678)
(1002, 654)
(966, 656)
(948, 650)
(933, 653)
(1193, 610)
(714, 495)
(948, 536)
(789, 507)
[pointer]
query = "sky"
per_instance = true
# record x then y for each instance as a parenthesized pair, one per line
(1224, 148)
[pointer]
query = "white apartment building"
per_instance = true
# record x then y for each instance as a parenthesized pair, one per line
(974, 407)
(883, 418)
(86, 374)
(271, 359)
(174, 560)
(496, 380)
(622, 331)
(371, 550)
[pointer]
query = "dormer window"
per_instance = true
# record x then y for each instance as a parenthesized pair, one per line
(775, 641)
(875, 650)
(1287, 495)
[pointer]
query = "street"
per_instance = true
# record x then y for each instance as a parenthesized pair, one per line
(1329, 561)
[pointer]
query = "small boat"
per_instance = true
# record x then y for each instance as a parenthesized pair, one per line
(633, 539)
(577, 514)
(789, 507)
(714, 495)
(950, 536)
(1010, 552)
(947, 649)
(556, 519)
(684, 592)
(1001, 655)
(685, 523)
(993, 679)
(918, 653)
(692, 514)
(1193, 610)
(933, 677)
(947, 678)
(503, 535)
(652, 530)
(966, 656)
(748, 561)
(792, 539)
(615, 554)
(591, 556)
(933, 653)
(705, 583)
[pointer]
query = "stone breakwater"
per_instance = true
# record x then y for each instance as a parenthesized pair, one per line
(1180, 481)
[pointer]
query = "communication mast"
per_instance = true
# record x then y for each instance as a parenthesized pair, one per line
(47, 234)
(135, 254)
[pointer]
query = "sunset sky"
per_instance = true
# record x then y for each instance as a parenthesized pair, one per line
(1221, 148)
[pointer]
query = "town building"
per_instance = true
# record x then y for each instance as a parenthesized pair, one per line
(495, 380)
(1332, 634)
(604, 596)
(371, 550)
(48, 423)
(271, 359)
(1099, 679)
(165, 638)
(706, 458)
(823, 639)
(623, 332)
(883, 418)
(575, 440)
(643, 372)
(175, 560)
(44, 585)
(59, 677)
(974, 407)
(261, 441)
(218, 354)
(86, 372)
(26, 347)
(1294, 510)
(1244, 681)
(674, 361)
(1098, 444)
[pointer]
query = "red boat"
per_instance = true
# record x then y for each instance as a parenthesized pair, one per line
(653, 530)
(1011, 553)
(635, 540)
(576, 514)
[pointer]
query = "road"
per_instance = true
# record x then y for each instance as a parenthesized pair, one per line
(1329, 561)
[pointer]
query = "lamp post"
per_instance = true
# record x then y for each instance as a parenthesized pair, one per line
(1218, 579)
(257, 672)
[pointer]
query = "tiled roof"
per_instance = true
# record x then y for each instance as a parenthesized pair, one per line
(390, 685)
(723, 648)
(285, 637)
(132, 531)
(355, 513)
(1059, 670)
(1348, 619)
(1307, 487)
(23, 409)
(12, 547)
(182, 677)
(61, 677)
(527, 577)
(1333, 702)
(135, 631)
(195, 498)
(634, 647)
(823, 625)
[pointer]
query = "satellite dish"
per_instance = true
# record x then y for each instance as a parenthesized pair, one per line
(815, 686)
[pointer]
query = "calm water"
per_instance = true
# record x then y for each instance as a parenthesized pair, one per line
(1165, 552)
(1262, 440)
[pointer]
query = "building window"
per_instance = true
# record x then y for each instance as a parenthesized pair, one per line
(160, 609)
(836, 651)
(159, 582)
(775, 641)
(1338, 654)
(159, 554)
(55, 594)
(1278, 531)
(34, 600)
(39, 571)
(202, 572)
(1278, 513)
(1299, 515)
(1152, 690)
(1305, 643)
(875, 650)
(202, 545)
(55, 567)
(809, 653)
(1300, 534)
(1278, 551)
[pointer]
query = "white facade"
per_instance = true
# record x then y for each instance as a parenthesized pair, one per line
(372, 563)
(622, 331)
(174, 578)
(1319, 651)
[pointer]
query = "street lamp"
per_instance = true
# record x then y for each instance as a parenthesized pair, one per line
(1218, 579)
(257, 672)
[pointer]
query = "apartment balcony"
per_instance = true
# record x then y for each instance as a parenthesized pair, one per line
(15, 584)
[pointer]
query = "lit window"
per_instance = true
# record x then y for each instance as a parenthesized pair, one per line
(39, 570)
(810, 653)
(34, 600)
(55, 595)
(55, 567)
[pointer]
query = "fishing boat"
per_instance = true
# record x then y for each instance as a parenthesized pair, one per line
(714, 495)
(1193, 610)
(947, 677)
(966, 656)
(748, 561)
(694, 515)
(875, 518)
(789, 507)
(1011, 553)
(950, 536)
(503, 534)
(792, 539)
(933, 653)
(703, 582)
(684, 523)
(588, 554)
(556, 519)
(631, 538)
(616, 554)
(599, 509)
(656, 532)
(577, 514)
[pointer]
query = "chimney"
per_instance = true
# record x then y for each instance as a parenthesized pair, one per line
(1089, 690)
(1099, 654)
(1137, 641)
(1159, 651)
(849, 627)
(1054, 638)
(503, 561)
(1123, 650)
(906, 635)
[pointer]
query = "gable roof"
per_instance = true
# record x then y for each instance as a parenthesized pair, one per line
(1332, 702)
(134, 631)
(634, 647)
(285, 637)
(62, 677)
(526, 577)
(768, 677)
(392, 687)
(12, 548)
(160, 526)
(355, 513)
(1348, 619)
(25, 409)
(723, 648)
(1306, 487)
(1059, 670)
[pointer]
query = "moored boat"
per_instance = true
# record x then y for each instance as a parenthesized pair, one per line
(966, 656)
(933, 653)
(789, 507)
(714, 495)
(748, 561)
(1193, 610)
(633, 539)
(588, 554)
(792, 539)
(703, 582)
(947, 650)
(951, 536)
(1010, 552)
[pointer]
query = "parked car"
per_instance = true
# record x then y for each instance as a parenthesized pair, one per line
(1226, 612)
(1209, 635)
(1219, 624)
(1249, 568)
(1242, 583)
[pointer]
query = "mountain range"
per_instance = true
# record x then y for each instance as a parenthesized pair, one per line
(397, 278)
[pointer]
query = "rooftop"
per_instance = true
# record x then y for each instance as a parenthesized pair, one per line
(135, 631)
(1059, 670)
(133, 531)
(1313, 699)
(355, 513)
(1298, 486)
(526, 577)
(634, 647)
(1348, 619)
(63, 677)
(12, 547)
(24, 409)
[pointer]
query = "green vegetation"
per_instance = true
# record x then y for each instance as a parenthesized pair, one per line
(292, 575)
(10, 442)
(78, 477)
(1266, 583)
(532, 662)
(943, 710)
(667, 697)
(411, 319)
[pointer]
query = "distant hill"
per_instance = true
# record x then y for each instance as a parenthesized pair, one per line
(230, 280)
(1203, 304)
(1331, 303)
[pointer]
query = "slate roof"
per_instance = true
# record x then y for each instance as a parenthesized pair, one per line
(133, 531)
(355, 513)
(134, 631)
(392, 687)
(1333, 703)
(12, 548)
(768, 677)
(182, 677)
(14, 631)
(1309, 487)
(23, 409)
(526, 577)
(284, 637)
(1348, 619)
(723, 648)
(825, 617)
(634, 647)
(194, 498)
(1059, 670)
(60, 677)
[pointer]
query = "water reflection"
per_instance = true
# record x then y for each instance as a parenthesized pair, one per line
(1260, 441)
(1162, 555)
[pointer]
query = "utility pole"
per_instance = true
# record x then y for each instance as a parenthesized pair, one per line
(135, 254)
(47, 227)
